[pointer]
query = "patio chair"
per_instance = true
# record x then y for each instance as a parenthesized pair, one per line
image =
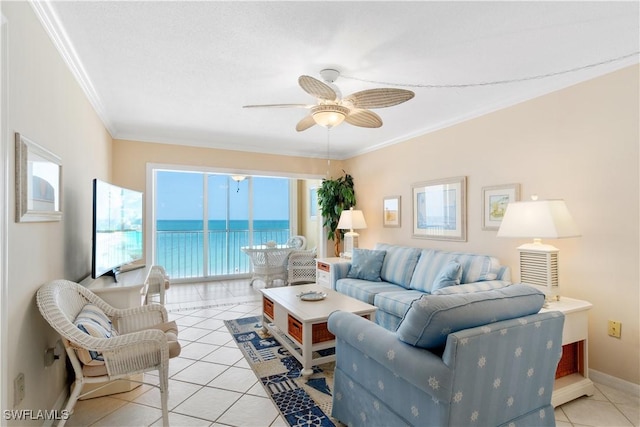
(104, 343)
(301, 267)
(157, 283)
(269, 264)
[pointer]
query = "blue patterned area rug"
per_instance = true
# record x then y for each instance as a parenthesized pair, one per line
(302, 402)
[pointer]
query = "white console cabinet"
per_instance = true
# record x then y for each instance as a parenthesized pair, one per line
(124, 293)
(325, 270)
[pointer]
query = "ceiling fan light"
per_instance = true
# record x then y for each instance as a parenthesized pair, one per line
(329, 115)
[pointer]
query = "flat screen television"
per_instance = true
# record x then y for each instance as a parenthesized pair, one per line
(117, 228)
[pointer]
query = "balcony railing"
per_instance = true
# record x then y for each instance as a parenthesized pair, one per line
(182, 253)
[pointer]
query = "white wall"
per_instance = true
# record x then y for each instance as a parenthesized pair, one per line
(579, 144)
(46, 105)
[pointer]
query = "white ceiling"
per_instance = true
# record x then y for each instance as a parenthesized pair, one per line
(180, 72)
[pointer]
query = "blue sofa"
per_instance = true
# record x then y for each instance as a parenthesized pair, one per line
(407, 273)
(483, 358)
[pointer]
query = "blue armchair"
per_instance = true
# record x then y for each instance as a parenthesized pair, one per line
(499, 373)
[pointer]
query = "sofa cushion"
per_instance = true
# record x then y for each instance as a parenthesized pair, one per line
(475, 268)
(93, 321)
(432, 317)
(399, 263)
(449, 275)
(430, 264)
(396, 302)
(364, 290)
(472, 287)
(366, 264)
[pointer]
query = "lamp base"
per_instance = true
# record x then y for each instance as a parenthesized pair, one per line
(539, 268)
(350, 243)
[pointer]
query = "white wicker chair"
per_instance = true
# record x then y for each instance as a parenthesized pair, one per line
(297, 242)
(301, 267)
(157, 283)
(268, 264)
(136, 349)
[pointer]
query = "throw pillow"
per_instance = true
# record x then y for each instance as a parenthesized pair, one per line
(431, 318)
(92, 321)
(366, 264)
(449, 275)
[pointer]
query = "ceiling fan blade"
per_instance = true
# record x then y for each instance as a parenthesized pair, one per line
(315, 87)
(278, 106)
(305, 123)
(364, 119)
(379, 98)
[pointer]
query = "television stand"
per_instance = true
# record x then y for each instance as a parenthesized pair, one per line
(122, 291)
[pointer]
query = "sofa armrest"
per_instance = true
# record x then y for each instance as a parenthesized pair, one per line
(339, 271)
(417, 366)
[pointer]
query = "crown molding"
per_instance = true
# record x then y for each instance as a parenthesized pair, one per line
(58, 35)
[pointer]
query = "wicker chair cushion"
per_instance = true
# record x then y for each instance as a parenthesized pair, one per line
(92, 321)
(170, 330)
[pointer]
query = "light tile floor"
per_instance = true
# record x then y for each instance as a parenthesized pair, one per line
(212, 385)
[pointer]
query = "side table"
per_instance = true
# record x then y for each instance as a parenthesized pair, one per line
(325, 270)
(572, 375)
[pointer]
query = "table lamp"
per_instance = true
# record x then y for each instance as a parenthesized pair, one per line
(349, 220)
(539, 219)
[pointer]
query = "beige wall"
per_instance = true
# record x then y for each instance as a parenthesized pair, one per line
(46, 105)
(131, 157)
(579, 144)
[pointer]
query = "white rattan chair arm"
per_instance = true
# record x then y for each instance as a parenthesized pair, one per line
(136, 356)
(137, 318)
(85, 341)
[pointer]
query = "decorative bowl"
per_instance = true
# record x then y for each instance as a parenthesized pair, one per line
(312, 296)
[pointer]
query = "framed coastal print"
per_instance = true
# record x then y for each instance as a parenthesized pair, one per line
(391, 211)
(440, 209)
(494, 203)
(313, 203)
(38, 182)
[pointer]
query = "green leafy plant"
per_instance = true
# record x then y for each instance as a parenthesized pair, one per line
(335, 195)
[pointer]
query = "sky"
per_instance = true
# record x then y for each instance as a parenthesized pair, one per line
(179, 196)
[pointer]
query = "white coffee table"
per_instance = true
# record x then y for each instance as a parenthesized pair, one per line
(301, 326)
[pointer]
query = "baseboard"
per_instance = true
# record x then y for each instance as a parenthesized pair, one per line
(58, 406)
(614, 382)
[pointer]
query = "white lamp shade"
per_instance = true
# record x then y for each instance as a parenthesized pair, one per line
(538, 219)
(351, 220)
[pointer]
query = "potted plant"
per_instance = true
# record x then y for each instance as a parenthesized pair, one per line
(335, 195)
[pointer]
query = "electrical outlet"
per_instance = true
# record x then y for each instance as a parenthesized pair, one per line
(615, 328)
(18, 389)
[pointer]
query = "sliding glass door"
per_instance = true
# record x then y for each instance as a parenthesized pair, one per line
(239, 211)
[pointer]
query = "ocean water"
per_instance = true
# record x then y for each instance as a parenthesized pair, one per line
(180, 245)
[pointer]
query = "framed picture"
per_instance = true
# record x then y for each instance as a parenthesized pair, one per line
(391, 211)
(440, 209)
(38, 182)
(494, 203)
(313, 203)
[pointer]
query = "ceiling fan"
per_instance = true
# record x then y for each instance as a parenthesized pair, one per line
(331, 109)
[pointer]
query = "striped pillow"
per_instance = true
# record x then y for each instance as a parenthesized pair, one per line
(92, 321)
